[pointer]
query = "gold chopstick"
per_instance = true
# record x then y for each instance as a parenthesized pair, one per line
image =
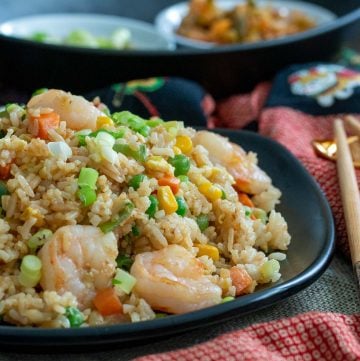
(349, 194)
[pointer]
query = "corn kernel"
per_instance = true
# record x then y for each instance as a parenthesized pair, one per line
(210, 191)
(176, 150)
(158, 164)
(207, 250)
(34, 213)
(268, 270)
(103, 121)
(167, 199)
(184, 143)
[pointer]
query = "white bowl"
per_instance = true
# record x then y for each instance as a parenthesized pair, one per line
(168, 21)
(144, 36)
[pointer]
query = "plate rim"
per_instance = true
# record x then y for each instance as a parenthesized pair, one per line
(109, 335)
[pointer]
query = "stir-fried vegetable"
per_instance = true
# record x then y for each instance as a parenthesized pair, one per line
(203, 221)
(152, 209)
(136, 180)
(181, 163)
(124, 261)
(75, 316)
(124, 280)
(167, 200)
(138, 154)
(120, 218)
(38, 239)
(30, 271)
(132, 121)
(107, 302)
(172, 182)
(87, 186)
(182, 206)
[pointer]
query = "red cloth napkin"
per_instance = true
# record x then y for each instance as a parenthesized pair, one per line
(312, 335)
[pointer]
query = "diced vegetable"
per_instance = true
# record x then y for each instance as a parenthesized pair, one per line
(240, 279)
(135, 230)
(160, 315)
(107, 302)
(248, 211)
(121, 217)
(210, 191)
(223, 194)
(103, 121)
(152, 209)
(40, 125)
(245, 200)
(182, 206)
(39, 91)
(30, 271)
(124, 280)
(61, 150)
(227, 299)
(268, 269)
(124, 261)
(172, 182)
(136, 180)
(203, 222)
(5, 171)
(181, 163)
(139, 154)
(81, 38)
(260, 214)
(167, 199)
(39, 239)
(88, 177)
(184, 143)
(208, 250)
(3, 189)
(152, 123)
(133, 121)
(75, 316)
(183, 178)
(87, 195)
(119, 133)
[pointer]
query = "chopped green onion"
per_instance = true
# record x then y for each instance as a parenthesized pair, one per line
(123, 215)
(88, 178)
(132, 121)
(203, 222)
(181, 163)
(152, 209)
(30, 271)
(183, 178)
(124, 261)
(260, 214)
(135, 230)
(75, 317)
(39, 91)
(152, 123)
(39, 239)
(87, 195)
(81, 38)
(223, 194)
(3, 189)
(39, 36)
(139, 154)
(182, 206)
(124, 280)
(119, 133)
(136, 180)
(227, 299)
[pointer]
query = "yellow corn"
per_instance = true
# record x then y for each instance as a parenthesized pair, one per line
(157, 163)
(103, 121)
(210, 191)
(184, 143)
(34, 213)
(167, 199)
(176, 150)
(207, 250)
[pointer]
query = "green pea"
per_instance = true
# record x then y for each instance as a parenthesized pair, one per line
(181, 163)
(183, 178)
(203, 222)
(75, 317)
(153, 206)
(136, 180)
(182, 206)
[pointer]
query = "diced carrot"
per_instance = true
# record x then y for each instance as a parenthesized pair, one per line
(5, 171)
(245, 200)
(242, 185)
(107, 302)
(240, 279)
(252, 216)
(45, 122)
(172, 182)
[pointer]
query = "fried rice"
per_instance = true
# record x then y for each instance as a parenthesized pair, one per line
(111, 218)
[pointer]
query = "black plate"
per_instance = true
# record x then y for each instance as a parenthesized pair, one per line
(222, 70)
(310, 223)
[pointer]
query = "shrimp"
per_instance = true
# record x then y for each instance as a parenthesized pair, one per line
(172, 280)
(248, 176)
(76, 111)
(79, 259)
